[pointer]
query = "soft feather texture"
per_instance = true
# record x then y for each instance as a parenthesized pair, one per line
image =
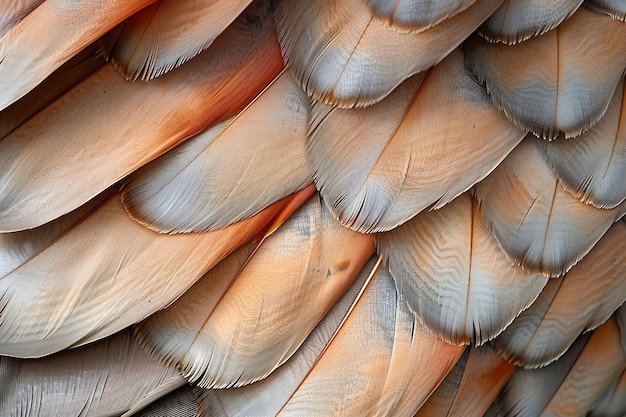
(614, 8)
(236, 325)
(333, 48)
(592, 166)
(230, 171)
(518, 20)
(267, 397)
(108, 377)
(613, 402)
(184, 402)
(539, 224)
(471, 386)
(81, 144)
(416, 15)
(569, 386)
(423, 145)
(80, 273)
(451, 272)
(17, 9)
(168, 33)
(580, 301)
(41, 42)
(558, 82)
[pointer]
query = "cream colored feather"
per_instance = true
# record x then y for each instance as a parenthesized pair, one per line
(592, 166)
(471, 386)
(580, 301)
(416, 15)
(108, 377)
(41, 42)
(613, 402)
(559, 82)
(79, 274)
(451, 272)
(106, 128)
(518, 20)
(236, 326)
(333, 48)
(423, 145)
(169, 33)
(539, 224)
(230, 171)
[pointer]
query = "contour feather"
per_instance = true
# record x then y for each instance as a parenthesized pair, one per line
(416, 15)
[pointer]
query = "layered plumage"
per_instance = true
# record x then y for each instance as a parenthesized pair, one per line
(204, 239)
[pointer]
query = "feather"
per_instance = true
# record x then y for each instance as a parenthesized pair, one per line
(559, 82)
(592, 166)
(517, 20)
(471, 386)
(15, 11)
(87, 133)
(184, 402)
(416, 15)
(108, 377)
(230, 171)
(613, 402)
(570, 386)
(168, 33)
(537, 223)
(236, 325)
(268, 396)
(394, 353)
(333, 48)
(422, 145)
(580, 301)
(66, 292)
(614, 8)
(41, 42)
(451, 272)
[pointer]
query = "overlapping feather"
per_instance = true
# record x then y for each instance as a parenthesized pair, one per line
(168, 33)
(430, 140)
(416, 15)
(105, 128)
(558, 82)
(334, 50)
(236, 325)
(539, 224)
(41, 42)
(77, 275)
(230, 171)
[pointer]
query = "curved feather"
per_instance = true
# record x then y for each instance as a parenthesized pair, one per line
(230, 171)
(451, 272)
(11, 13)
(41, 42)
(560, 82)
(592, 166)
(167, 34)
(184, 402)
(613, 402)
(537, 223)
(416, 15)
(614, 8)
(333, 48)
(518, 20)
(109, 377)
(237, 325)
(87, 133)
(580, 301)
(471, 386)
(570, 386)
(66, 293)
(423, 145)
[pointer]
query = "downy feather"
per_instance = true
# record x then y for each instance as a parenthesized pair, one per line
(451, 272)
(67, 292)
(50, 35)
(230, 171)
(423, 145)
(106, 127)
(537, 223)
(237, 325)
(580, 301)
(557, 83)
(333, 47)
(169, 33)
